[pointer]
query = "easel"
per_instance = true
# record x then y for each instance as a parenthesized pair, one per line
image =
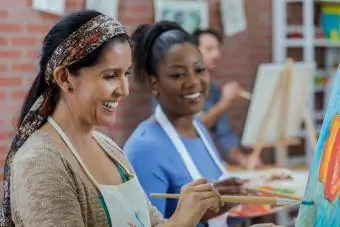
(281, 94)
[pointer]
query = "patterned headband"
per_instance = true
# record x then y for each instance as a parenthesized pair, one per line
(82, 42)
(75, 47)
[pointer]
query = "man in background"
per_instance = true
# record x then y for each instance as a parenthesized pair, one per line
(214, 115)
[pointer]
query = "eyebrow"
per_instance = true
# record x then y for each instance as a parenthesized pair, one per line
(181, 66)
(114, 69)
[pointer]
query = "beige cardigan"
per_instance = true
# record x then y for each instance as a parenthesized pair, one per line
(47, 191)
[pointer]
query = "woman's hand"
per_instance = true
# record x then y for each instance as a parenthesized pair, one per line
(195, 200)
(230, 91)
(232, 186)
(229, 186)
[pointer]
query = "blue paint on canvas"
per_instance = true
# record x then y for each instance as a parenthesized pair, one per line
(326, 209)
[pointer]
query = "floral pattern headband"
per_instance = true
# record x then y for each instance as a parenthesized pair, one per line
(78, 45)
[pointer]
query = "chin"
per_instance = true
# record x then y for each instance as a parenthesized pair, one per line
(107, 122)
(212, 66)
(192, 111)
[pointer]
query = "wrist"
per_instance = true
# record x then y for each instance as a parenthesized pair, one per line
(223, 104)
(175, 220)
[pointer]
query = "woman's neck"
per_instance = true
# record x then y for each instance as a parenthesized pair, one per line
(183, 124)
(71, 124)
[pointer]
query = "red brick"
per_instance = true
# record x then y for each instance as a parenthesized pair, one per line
(9, 27)
(29, 3)
(6, 135)
(2, 95)
(38, 28)
(5, 54)
(7, 81)
(31, 54)
(24, 41)
(3, 149)
(19, 95)
(140, 8)
(74, 4)
(4, 41)
(3, 14)
(2, 163)
(13, 4)
(23, 67)
(3, 68)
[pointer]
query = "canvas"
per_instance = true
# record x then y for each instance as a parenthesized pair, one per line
(323, 185)
(299, 94)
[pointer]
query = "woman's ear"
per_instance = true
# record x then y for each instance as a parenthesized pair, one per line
(62, 77)
(153, 82)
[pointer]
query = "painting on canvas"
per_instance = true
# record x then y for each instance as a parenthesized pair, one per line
(323, 185)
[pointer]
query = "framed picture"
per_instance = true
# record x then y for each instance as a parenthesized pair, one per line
(233, 16)
(107, 7)
(56, 7)
(189, 14)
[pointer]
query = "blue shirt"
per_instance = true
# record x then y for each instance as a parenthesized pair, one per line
(159, 166)
(222, 132)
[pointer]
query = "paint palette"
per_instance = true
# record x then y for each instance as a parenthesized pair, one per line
(278, 180)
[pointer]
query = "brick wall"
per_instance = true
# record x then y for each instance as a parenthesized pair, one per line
(22, 30)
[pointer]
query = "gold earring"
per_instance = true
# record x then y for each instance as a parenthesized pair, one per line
(70, 88)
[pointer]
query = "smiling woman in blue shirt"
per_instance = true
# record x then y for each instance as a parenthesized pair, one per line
(172, 147)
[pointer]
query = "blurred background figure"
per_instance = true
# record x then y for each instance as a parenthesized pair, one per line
(214, 115)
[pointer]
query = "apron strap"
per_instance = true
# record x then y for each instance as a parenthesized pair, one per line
(175, 139)
(66, 140)
(180, 147)
(105, 139)
(213, 154)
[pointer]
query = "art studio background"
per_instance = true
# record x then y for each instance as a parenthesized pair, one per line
(255, 32)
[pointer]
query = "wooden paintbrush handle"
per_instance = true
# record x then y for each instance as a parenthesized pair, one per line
(238, 199)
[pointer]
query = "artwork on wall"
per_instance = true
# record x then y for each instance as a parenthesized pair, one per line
(107, 7)
(323, 185)
(233, 16)
(55, 7)
(189, 14)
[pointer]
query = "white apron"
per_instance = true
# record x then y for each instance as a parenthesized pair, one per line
(220, 221)
(126, 203)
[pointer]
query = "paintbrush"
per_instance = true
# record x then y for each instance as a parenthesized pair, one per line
(274, 193)
(259, 200)
(245, 94)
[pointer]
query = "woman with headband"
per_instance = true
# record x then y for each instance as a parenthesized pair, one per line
(59, 170)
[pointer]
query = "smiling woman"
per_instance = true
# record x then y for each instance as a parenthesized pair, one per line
(59, 170)
(172, 147)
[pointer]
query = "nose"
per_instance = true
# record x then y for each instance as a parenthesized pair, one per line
(122, 88)
(193, 80)
(217, 54)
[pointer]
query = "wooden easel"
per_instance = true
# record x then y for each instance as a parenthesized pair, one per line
(283, 142)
